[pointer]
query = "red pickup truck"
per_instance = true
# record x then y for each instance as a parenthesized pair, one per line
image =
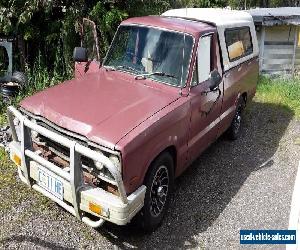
(108, 144)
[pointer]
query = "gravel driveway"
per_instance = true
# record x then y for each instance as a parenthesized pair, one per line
(245, 184)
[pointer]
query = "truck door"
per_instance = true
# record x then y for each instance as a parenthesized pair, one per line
(89, 41)
(205, 104)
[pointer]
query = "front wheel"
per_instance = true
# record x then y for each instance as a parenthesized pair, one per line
(235, 127)
(159, 182)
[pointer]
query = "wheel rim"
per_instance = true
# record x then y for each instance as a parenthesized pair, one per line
(159, 191)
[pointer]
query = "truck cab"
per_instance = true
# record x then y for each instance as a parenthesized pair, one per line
(108, 144)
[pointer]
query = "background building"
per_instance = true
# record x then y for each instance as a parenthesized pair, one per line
(278, 38)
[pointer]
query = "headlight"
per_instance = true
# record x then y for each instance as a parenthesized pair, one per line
(98, 164)
(116, 161)
(34, 134)
(103, 171)
(113, 158)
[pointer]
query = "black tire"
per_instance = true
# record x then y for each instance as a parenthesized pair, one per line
(20, 78)
(9, 90)
(235, 127)
(159, 182)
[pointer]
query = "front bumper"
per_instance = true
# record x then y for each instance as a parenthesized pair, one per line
(78, 198)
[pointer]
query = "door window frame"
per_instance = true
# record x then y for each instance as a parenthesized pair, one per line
(196, 70)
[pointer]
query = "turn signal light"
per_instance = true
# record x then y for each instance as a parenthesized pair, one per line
(95, 208)
(16, 159)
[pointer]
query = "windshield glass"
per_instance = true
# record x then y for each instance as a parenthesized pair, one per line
(144, 50)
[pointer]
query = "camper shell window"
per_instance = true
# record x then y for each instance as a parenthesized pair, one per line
(238, 42)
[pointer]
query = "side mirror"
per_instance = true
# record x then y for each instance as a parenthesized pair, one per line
(80, 54)
(215, 79)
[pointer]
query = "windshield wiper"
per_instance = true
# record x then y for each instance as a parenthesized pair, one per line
(113, 68)
(126, 67)
(157, 73)
(109, 68)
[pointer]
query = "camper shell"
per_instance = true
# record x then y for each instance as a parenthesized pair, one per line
(222, 19)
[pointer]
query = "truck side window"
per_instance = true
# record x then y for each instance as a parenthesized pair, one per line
(204, 58)
(238, 42)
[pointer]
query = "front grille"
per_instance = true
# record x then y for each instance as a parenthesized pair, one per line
(53, 151)
(45, 125)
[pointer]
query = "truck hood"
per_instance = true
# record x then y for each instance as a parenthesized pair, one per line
(103, 107)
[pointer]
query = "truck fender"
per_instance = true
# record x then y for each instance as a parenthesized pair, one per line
(154, 154)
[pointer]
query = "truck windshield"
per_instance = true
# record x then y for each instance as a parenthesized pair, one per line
(161, 55)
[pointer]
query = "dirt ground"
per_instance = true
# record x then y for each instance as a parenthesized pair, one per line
(245, 184)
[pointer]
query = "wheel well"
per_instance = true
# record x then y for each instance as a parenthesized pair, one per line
(172, 151)
(244, 95)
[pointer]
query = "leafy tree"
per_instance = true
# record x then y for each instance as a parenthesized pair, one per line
(48, 29)
(107, 16)
(247, 4)
(200, 3)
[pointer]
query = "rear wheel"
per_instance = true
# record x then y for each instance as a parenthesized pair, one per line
(235, 127)
(159, 183)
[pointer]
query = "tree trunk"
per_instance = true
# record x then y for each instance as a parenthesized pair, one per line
(22, 50)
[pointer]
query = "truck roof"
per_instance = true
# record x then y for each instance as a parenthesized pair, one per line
(217, 16)
(172, 23)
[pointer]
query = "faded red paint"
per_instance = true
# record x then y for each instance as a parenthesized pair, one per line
(103, 107)
(141, 118)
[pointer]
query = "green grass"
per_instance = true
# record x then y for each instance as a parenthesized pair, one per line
(39, 77)
(285, 92)
(13, 192)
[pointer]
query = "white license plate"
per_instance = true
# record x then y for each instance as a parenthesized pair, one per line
(50, 183)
